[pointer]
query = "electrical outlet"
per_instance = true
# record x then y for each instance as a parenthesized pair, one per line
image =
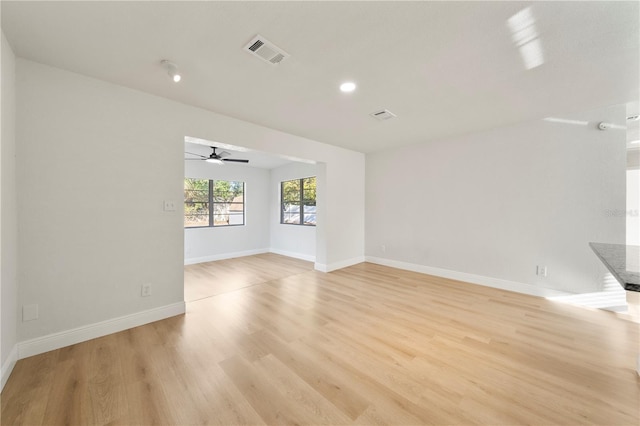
(169, 206)
(383, 248)
(541, 271)
(145, 290)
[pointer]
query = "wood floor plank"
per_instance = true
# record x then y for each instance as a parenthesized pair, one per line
(301, 393)
(273, 405)
(268, 340)
(320, 373)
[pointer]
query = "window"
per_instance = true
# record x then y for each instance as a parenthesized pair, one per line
(298, 200)
(213, 203)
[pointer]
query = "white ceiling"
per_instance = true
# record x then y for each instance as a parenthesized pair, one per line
(445, 68)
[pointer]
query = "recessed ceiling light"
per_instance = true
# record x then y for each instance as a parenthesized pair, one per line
(348, 86)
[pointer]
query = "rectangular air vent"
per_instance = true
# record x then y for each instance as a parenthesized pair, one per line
(385, 114)
(265, 50)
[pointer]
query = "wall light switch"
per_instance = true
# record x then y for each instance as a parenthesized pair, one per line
(541, 271)
(169, 206)
(29, 312)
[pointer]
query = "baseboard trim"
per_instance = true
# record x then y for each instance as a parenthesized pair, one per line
(81, 334)
(300, 256)
(8, 365)
(469, 278)
(322, 267)
(194, 260)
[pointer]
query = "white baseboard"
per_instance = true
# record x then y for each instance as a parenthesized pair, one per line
(194, 260)
(322, 267)
(81, 334)
(8, 365)
(469, 278)
(306, 257)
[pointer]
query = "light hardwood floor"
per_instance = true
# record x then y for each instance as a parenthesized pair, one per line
(212, 278)
(364, 345)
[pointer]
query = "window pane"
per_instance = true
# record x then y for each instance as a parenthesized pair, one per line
(291, 213)
(196, 202)
(291, 191)
(196, 214)
(309, 215)
(291, 201)
(228, 203)
(298, 201)
(227, 191)
(309, 191)
(309, 200)
(196, 190)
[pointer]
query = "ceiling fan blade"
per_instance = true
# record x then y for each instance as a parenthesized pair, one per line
(201, 156)
(197, 159)
(235, 160)
(224, 154)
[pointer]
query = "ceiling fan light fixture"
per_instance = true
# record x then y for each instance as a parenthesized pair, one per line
(172, 70)
(216, 158)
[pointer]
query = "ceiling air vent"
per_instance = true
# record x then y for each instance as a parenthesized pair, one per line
(265, 50)
(384, 114)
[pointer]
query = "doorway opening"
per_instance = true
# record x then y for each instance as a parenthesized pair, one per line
(233, 236)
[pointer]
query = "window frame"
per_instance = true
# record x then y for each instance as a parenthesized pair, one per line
(301, 200)
(211, 205)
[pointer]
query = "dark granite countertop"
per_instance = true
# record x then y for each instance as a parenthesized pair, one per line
(622, 261)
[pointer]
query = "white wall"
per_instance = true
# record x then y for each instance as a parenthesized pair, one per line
(8, 215)
(633, 206)
(206, 244)
(94, 166)
(96, 161)
(290, 240)
(494, 205)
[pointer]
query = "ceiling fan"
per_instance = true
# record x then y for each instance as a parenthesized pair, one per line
(215, 157)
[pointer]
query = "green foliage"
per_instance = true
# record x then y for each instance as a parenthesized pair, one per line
(196, 190)
(196, 202)
(291, 191)
(226, 191)
(309, 191)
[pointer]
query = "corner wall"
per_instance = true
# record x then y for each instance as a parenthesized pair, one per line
(8, 215)
(489, 207)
